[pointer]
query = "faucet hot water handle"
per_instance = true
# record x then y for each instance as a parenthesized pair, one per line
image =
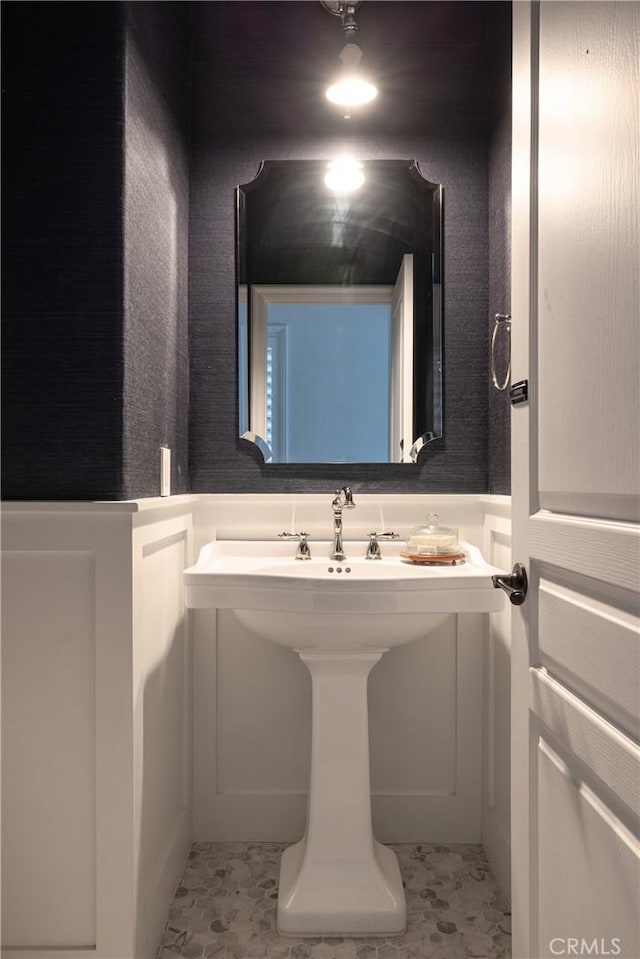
(303, 551)
(373, 549)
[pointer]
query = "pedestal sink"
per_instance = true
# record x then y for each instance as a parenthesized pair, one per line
(340, 617)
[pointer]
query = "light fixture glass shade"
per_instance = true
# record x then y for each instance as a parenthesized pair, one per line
(352, 91)
(344, 175)
(352, 88)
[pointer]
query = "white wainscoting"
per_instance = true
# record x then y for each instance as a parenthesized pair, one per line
(98, 723)
(49, 747)
(161, 716)
(253, 735)
(252, 700)
(96, 726)
(496, 790)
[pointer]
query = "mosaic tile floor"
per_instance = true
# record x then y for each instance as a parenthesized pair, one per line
(225, 907)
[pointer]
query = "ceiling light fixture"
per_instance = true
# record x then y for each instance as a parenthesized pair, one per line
(351, 88)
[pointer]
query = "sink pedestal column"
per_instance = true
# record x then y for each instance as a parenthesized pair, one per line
(338, 880)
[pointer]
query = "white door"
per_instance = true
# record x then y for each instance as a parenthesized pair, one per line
(401, 434)
(576, 469)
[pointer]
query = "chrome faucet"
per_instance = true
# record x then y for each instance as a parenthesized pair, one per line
(342, 500)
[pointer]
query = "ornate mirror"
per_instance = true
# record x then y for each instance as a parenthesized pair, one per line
(339, 312)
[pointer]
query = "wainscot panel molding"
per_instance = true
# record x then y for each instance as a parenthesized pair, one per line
(97, 702)
(253, 735)
(264, 515)
(96, 725)
(252, 700)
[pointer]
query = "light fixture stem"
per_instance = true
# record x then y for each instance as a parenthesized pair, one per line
(349, 25)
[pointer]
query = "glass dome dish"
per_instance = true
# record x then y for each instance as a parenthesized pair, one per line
(433, 544)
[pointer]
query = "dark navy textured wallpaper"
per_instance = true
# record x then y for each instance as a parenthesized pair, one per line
(62, 362)
(95, 188)
(156, 209)
(499, 443)
(221, 462)
(116, 217)
(257, 94)
(499, 440)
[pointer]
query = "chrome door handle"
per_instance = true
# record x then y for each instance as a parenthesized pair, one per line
(515, 584)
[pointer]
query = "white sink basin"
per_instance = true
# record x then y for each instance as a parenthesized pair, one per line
(264, 575)
(340, 617)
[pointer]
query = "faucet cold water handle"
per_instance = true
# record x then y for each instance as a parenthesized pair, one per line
(373, 549)
(303, 551)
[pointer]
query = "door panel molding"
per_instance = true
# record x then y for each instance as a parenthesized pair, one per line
(592, 648)
(603, 549)
(587, 854)
(613, 757)
(616, 506)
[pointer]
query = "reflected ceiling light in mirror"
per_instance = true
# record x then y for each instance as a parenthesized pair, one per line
(351, 88)
(344, 175)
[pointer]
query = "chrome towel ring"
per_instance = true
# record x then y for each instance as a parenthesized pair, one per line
(501, 319)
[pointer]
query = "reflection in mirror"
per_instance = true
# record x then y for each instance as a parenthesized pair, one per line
(339, 313)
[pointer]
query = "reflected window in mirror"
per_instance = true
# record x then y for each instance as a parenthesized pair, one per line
(339, 314)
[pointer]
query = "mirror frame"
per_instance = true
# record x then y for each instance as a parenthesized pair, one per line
(428, 391)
